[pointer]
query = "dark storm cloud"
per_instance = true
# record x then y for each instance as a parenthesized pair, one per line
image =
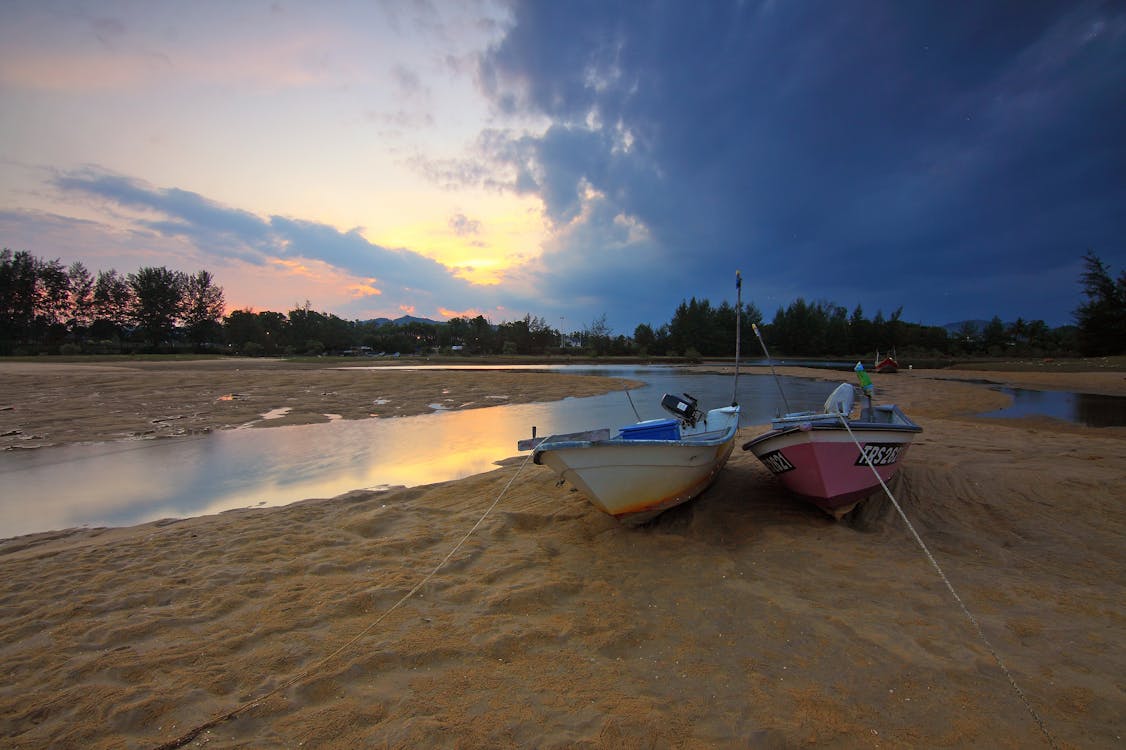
(879, 153)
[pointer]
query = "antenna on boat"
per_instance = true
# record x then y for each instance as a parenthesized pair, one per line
(738, 336)
(754, 327)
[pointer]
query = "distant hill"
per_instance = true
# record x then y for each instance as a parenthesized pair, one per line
(979, 325)
(403, 321)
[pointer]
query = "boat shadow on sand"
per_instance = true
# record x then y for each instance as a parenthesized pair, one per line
(746, 499)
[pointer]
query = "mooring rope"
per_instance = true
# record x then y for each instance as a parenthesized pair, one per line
(216, 721)
(632, 406)
(950, 587)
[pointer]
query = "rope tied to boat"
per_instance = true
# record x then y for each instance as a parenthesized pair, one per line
(965, 610)
(216, 721)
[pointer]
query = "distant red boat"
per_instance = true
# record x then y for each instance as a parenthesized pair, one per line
(887, 365)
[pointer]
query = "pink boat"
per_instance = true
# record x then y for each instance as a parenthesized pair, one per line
(814, 455)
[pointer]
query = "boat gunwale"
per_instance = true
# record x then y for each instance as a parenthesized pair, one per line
(835, 425)
(721, 437)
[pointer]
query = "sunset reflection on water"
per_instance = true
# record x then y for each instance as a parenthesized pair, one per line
(125, 483)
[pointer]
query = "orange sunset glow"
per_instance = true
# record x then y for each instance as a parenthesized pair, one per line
(514, 158)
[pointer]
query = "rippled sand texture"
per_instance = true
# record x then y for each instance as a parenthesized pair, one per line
(743, 619)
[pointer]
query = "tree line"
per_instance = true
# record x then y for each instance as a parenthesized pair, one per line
(46, 308)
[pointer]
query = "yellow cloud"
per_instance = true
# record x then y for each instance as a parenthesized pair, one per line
(295, 267)
(471, 312)
(286, 282)
(478, 243)
(364, 289)
(323, 273)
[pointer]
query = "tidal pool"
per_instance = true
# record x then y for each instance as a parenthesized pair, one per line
(129, 482)
(1090, 409)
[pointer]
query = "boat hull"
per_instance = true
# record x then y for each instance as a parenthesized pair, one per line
(886, 365)
(822, 463)
(635, 480)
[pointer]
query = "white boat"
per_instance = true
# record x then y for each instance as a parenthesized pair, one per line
(653, 465)
(648, 467)
(832, 459)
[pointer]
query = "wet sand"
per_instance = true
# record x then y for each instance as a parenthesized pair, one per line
(743, 619)
(44, 404)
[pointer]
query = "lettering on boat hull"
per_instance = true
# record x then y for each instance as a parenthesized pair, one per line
(880, 454)
(776, 462)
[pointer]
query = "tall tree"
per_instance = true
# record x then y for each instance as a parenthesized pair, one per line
(514, 336)
(81, 296)
(275, 329)
(202, 307)
(52, 292)
(644, 339)
(800, 328)
(158, 294)
(994, 336)
(242, 328)
(541, 335)
(113, 303)
(968, 337)
(480, 336)
(1102, 318)
(837, 333)
(598, 335)
(18, 275)
(1037, 333)
(690, 325)
(456, 332)
(306, 328)
(861, 337)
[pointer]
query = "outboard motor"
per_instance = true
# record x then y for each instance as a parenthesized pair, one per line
(683, 409)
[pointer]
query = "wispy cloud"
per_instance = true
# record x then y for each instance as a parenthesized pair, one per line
(882, 154)
(213, 228)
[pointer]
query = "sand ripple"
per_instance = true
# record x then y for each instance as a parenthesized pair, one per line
(742, 619)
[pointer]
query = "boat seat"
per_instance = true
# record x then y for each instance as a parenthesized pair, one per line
(840, 400)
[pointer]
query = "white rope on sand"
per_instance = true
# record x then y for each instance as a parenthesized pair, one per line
(945, 580)
(195, 732)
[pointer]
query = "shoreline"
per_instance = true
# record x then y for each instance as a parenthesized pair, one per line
(745, 617)
(61, 403)
(47, 404)
(188, 409)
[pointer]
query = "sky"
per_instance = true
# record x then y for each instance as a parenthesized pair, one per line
(574, 160)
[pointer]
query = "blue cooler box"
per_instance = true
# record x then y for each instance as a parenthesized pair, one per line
(654, 429)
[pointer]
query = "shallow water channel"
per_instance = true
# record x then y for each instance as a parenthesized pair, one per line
(129, 482)
(1090, 409)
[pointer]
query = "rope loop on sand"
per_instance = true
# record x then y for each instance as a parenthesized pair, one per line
(950, 587)
(216, 721)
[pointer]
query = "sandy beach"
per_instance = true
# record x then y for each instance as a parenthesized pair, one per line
(745, 618)
(46, 404)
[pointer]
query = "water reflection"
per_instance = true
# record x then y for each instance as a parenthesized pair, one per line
(1090, 409)
(124, 483)
(116, 484)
